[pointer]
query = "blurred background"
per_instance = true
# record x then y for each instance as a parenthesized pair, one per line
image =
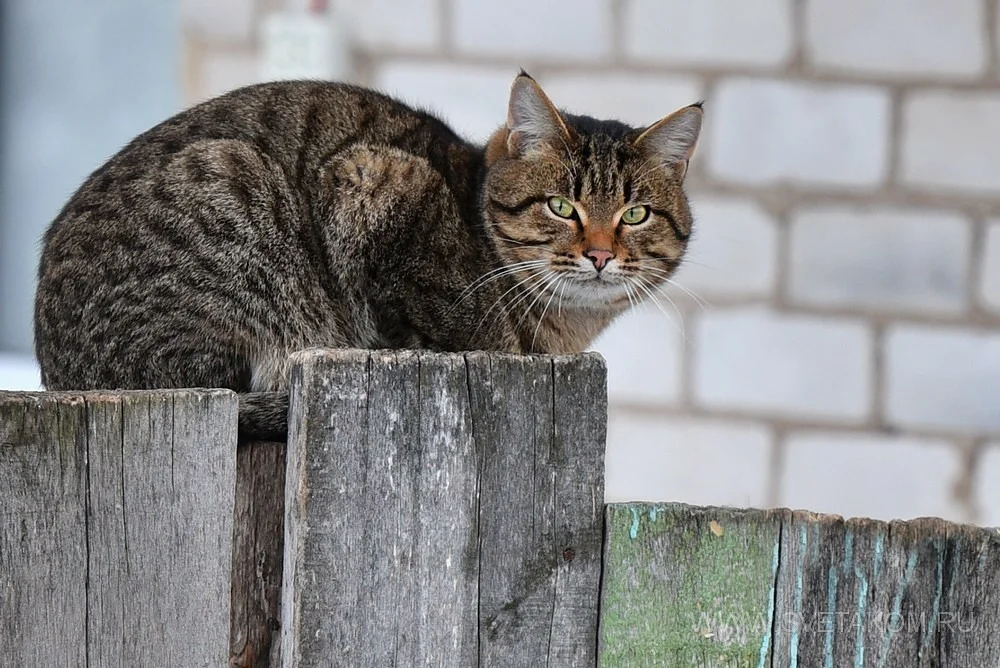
(836, 342)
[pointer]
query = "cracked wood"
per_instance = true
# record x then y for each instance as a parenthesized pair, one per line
(443, 510)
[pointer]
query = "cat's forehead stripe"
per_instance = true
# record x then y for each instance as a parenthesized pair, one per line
(600, 167)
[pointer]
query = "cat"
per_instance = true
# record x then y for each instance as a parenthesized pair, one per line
(289, 215)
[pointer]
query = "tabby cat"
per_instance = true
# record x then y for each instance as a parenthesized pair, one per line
(290, 215)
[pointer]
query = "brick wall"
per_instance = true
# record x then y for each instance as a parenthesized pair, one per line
(847, 190)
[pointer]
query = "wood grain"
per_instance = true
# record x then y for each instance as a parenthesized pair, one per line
(258, 533)
(443, 510)
(690, 586)
(117, 527)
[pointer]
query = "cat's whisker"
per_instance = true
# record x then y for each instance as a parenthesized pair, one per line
(545, 310)
(640, 283)
(666, 278)
(493, 275)
(647, 172)
(701, 301)
(672, 259)
(551, 277)
(536, 276)
(628, 292)
(525, 294)
(561, 292)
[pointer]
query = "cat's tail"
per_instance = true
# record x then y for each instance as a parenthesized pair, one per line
(263, 416)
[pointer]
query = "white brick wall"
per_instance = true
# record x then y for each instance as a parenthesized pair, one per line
(950, 141)
(223, 71)
(713, 32)
(637, 99)
(472, 99)
(559, 30)
(733, 249)
(220, 20)
(654, 377)
(943, 379)
(754, 360)
(394, 24)
(910, 260)
(849, 156)
(658, 459)
(988, 486)
(989, 283)
(765, 131)
(928, 37)
(866, 475)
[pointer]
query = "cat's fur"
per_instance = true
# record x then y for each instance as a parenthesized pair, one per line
(291, 215)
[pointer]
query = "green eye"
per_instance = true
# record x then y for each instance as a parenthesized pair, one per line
(561, 207)
(635, 215)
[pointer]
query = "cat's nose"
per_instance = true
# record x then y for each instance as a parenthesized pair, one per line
(599, 257)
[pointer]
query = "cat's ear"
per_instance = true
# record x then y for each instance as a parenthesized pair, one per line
(533, 122)
(673, 139)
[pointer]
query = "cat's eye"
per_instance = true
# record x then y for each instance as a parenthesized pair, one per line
(561, 207)
(635, 214)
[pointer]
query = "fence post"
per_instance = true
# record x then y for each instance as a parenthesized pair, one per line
(116, 529)
(443, 510)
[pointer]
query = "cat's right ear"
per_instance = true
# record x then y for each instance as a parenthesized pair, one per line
(533, 122)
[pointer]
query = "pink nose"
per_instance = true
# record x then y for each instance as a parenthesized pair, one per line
(599, 257)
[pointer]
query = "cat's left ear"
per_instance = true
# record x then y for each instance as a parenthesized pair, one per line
(533, 122)
(673, 139)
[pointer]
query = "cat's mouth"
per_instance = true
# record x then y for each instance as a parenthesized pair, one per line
(594, 289)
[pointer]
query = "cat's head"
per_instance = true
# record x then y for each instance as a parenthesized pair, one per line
(593, 209)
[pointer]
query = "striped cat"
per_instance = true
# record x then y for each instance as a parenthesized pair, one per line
(291, 215)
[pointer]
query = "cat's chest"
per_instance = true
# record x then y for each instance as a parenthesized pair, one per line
(567, 333)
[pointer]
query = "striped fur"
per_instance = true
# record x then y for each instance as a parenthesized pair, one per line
(291, 215)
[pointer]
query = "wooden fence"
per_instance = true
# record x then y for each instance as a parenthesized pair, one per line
(439, 510)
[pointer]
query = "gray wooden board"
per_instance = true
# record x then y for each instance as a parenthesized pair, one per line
(865, 593)
(258, 532)
(443, 510)
(117, 526)
(687, 586)
(43, 537)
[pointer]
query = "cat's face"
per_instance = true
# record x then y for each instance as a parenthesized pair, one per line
(591, 211)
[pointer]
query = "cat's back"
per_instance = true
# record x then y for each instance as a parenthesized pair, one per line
(204, 223)
(298, 125)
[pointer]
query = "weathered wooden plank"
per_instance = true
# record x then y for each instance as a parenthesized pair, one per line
(428, 510)
(152, 501)
(688, 586)
(43, 538)
(709, 586)
(322, 417)
(258, 533)
(516, 532)
(866, 593)
(541, 506)
(577, 455)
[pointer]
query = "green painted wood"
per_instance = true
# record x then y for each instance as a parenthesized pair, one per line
(677, 593)
(687, 586)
